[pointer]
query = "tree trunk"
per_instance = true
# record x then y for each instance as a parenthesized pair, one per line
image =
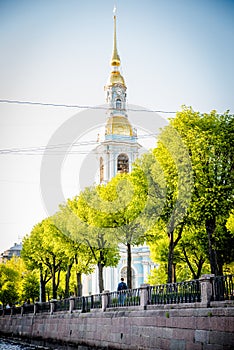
(54, 294)
(100, 277)
(188, 262)
(79, 284)
(174, 273)
(170, 258)
(42, 289)
(78, 289)
(199, 264)
(129, 266)
(58, 281)
(67, 279)
(220, 269)
(210, 228)
(199, 268)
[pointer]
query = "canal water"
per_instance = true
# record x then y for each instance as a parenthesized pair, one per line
(12, 344)
(17, 344)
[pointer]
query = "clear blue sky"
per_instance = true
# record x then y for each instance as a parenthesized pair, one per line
(172, 53)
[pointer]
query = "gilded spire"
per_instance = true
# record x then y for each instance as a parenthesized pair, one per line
(115, 76)
(115, 61)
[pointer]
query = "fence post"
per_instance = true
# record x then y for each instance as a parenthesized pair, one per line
(206, 289)
(83, 308)
(12, 310)
(52, 306)
(105, 294)
(91, 301)
(144, 295)
(35, 308)
(71, 304)
(22, 310)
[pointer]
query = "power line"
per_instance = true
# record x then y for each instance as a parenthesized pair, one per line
(44, 104)
(57, 149)
(47, 148)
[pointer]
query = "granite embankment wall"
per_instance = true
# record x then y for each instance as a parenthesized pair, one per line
(174, 327)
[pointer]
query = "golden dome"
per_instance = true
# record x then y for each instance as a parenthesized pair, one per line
(118, 125)
(116, 78)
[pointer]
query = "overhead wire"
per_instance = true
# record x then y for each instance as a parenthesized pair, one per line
(34, 103)
(56, 149)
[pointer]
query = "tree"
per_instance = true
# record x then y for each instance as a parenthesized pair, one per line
(124, 200)
(192, 251)
(190, 184)
(44, 250)
(230, 233)
(210, 142)
(230, 222)
(101, 242)
(8, 289)
(168, 178)
(79, 257)
(30, 286)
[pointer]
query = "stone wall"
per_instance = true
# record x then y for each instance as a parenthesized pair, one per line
(174, 327)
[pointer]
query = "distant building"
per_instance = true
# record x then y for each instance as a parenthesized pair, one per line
(13, 251)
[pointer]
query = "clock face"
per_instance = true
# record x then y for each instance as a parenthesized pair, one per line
(119, 91)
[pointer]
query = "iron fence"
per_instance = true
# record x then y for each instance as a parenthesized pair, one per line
(43, 307)
(175, 293)
(28, 308)
(223, 288)
(85, 304)
(62, 305)
(170, 293)
(7, 311)
(16, 310)
(78, 303)
(96, 301)
(129, 297)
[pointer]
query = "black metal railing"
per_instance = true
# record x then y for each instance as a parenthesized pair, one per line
(223, 288)
(85, 304)
(78, 303)
(96, 301)
(175, 293)
(7, 311)
(43, 307)
(129, 297)
(16, 310)
(62, 305)
(170, 293)
(28, 308)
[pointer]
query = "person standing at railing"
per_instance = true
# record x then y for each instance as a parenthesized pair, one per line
(122, 286)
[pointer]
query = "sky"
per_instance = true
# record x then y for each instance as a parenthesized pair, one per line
(173, 53)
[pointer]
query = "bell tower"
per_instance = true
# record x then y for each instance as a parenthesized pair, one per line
(116, 154)
(120, 147)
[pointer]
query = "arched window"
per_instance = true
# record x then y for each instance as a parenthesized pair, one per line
(101, 169)
(123, 163)
(118, 104)
(123, 273)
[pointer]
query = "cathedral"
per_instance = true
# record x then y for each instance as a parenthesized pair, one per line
(116, 154)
